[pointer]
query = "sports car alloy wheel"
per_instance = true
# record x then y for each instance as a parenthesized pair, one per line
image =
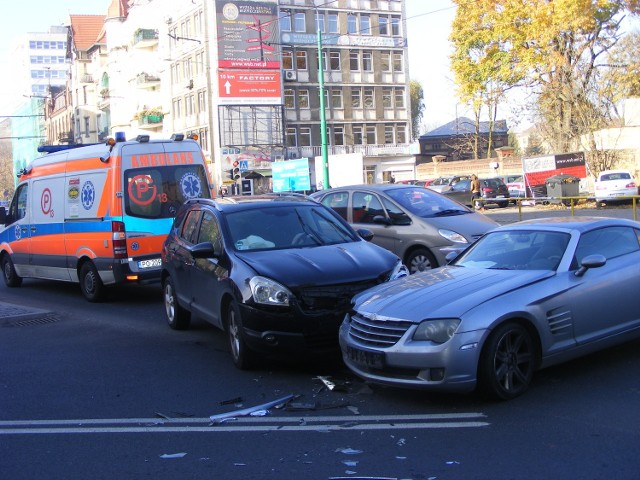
(508, 362)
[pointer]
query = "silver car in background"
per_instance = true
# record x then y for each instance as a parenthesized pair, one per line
(525, 296)
(420, 226)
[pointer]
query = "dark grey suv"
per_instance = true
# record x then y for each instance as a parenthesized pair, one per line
(276, 273)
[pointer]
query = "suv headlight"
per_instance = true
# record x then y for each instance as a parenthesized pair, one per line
(399, 271)
(437, 331)
(268, 292)
(452, 236)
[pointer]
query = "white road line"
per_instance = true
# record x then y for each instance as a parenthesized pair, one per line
(244, 424)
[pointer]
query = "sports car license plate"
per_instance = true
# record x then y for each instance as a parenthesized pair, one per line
(368, 359)
(151, 263)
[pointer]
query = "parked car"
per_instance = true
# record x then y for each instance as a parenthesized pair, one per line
(516, 186)
(275, 272)
(443, 184)
(493, 191)
(415, 223)
(525, 296)
(615, 185)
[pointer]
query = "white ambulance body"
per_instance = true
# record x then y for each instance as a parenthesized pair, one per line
(98, 215)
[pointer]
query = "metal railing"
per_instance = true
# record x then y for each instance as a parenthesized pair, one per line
(572, 202)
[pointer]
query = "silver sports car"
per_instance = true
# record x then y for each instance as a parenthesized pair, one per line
(525, 296)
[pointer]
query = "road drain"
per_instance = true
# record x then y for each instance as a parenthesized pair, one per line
(26, 322)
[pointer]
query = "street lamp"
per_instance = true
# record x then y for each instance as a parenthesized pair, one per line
(323, 115)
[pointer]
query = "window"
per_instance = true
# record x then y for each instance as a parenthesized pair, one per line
(299, 23)
(365, 207)
(352, 24)
(401, 133)
(287, 60)
(369, 174)
(190, 105)
(86, 126)
(334, 60)
(388, 133)
(336, 98)
(399, 97)
(333, 23)
(290, 137)
(357, 135)
(190, 226)
(210, 231)
(18, 208)
(386, 97)
(285, 21)
(305, 136)
(367, 61)
(371, 134)
(383, 25)
(354, 61)
(365, 25)
(368, 98)
(395, 26)
(303, 99)
(397, 62)
(385, 61)
(202, 101)
(177, 108)
(338, 135)
(320, 22)
(610, 242)
(301, 60)
(289, 99)
(356, 97)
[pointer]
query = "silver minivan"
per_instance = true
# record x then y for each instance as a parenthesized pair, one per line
(419, 225)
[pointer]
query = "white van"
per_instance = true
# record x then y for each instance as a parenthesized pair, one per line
(98, 215)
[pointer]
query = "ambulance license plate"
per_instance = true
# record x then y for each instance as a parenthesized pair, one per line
(152, 263)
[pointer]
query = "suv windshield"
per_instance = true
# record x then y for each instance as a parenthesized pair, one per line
(157, 192)
(426, 203)
(286, 227)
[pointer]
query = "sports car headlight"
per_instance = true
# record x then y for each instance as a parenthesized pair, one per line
(399, 271)
(452, 236)
(437, 331)
(269, 292)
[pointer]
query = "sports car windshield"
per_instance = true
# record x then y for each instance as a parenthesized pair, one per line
(426, 203)
(286, 227)
(516, 250)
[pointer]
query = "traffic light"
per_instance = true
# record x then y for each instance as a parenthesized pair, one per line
(235, 171)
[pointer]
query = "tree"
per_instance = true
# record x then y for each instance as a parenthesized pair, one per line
(555, 48)
(416, 95)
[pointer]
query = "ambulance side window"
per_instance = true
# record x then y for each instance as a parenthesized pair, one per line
(18, 208)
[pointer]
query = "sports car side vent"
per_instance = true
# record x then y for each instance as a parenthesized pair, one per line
(560, 321)
(377, 333)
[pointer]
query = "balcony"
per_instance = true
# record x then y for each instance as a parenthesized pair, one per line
(367, 150)
(65, 137)
(86, 78)
(146, 80)
(150, 120)
(145, 37)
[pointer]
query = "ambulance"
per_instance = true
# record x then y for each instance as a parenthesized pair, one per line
(97, 215)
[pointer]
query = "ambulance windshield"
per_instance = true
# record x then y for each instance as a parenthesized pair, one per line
(158, 192)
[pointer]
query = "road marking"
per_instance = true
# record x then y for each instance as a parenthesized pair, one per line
(245, 424)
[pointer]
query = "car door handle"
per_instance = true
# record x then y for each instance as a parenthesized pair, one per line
(33, 228)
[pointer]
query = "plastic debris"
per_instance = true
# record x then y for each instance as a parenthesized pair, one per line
(216, 419)
(327, 383)
(350, 463)
(259, 413)
(353, 409)
(402, 442)
(349, 451)
(453, 462)
(173, 455)
(333, 385)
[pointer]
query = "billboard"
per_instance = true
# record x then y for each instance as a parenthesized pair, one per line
(291, 175)
(248, 34)
(253, 87)
(538, 169)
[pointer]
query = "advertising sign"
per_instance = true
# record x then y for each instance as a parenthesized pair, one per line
(538, 169)
(291, 175)
(254, 87)
(247, 34)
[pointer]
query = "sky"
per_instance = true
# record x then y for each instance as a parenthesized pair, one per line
(428, 25)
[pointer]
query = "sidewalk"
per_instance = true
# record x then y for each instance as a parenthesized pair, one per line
(10, 311)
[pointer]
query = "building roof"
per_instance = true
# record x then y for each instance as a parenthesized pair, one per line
(465, 126)
(87, 30)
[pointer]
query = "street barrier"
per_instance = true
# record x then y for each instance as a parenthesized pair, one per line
(572, 202)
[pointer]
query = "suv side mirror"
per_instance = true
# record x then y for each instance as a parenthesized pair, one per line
(3, 216)
(203, 250)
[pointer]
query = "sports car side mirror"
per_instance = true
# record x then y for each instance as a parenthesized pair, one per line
(591, 261)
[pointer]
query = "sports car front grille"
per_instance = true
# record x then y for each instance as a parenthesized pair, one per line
(377, 333)
(331, 297)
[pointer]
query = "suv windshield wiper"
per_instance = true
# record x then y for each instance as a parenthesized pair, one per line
(450, 211)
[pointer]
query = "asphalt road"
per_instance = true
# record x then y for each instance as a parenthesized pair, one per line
(108, 391)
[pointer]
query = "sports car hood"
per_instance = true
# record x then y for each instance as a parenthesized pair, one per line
(443, 292)
(322, 265)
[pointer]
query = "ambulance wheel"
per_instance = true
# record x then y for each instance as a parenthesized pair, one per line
(90, 283)
(11, 278)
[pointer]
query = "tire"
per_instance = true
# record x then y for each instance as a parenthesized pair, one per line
(420, 260)
(177, 317)
(503, 204)
(507, 362)
(11, 278)
(91, 284)
(243, 357)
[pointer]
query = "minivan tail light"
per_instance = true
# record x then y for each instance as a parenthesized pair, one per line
(119, 238)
